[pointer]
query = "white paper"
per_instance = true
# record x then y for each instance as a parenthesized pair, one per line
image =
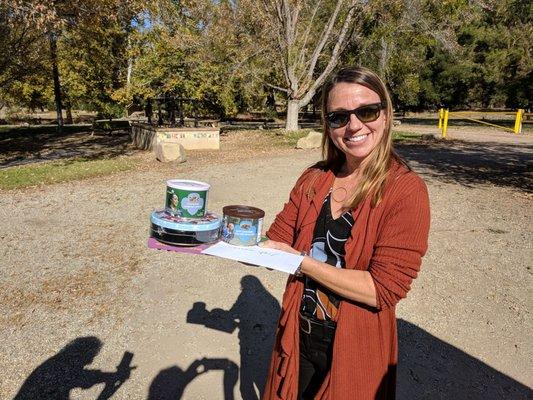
(270, 258)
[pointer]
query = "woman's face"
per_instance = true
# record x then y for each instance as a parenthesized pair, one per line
(356, 139)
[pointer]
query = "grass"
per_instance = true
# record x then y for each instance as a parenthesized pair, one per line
(61, 171)
(401, 136)
(288, 138)
(80, 168)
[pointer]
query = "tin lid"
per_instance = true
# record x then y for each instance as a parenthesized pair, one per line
(210, 221)
(243, 212)
(185, 184)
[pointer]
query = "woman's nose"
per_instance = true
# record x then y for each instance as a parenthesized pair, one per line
(354, 123)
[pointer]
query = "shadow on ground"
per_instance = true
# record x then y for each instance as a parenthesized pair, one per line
(429, 368)
(57, 376)
(20, 149)
(255, 314)
(170, 383)
(472, 164)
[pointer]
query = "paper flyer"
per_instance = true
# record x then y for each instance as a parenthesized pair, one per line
(264, 257)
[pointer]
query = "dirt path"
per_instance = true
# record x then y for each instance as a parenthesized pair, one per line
(75, 269)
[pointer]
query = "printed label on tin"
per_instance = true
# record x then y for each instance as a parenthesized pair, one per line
(173, 202)
(241, 232)
(246, 231)
(192, 203)
(259, 229)
(186, 204)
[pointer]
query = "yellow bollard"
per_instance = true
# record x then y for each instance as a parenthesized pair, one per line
(518, 121)
(441, 114)
(445, 124)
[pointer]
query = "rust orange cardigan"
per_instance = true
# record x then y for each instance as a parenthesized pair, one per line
(389, 241)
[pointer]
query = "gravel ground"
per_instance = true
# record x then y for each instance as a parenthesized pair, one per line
(80, 291)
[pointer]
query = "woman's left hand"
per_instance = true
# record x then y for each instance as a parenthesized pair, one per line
(271, 244)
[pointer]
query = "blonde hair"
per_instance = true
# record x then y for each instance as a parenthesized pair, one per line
(376, 165)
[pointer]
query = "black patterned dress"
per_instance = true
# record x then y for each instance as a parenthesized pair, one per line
(329, 238)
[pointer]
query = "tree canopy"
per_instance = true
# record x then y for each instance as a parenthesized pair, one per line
(233, 55)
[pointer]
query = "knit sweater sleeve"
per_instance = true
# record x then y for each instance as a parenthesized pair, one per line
(401, 241)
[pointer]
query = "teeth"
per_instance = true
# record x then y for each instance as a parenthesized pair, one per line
(356, 138)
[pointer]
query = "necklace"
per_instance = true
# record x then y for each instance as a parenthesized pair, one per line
(340, 191)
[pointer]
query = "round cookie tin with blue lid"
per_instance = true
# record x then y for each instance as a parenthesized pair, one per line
(178, 231)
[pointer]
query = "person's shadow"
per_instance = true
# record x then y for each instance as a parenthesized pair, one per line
(256, 314)
(170, 383)
(430, 368)
(57, 376)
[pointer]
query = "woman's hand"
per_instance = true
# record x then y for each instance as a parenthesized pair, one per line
(271, 244)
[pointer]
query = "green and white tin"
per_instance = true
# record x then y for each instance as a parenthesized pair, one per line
(187, 199)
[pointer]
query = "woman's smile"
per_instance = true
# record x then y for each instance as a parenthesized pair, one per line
(355, 139)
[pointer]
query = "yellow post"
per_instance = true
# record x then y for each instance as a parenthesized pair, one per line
(518, 121)
(441, 115)
(445, 124)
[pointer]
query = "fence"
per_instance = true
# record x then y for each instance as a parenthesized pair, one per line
(445, 114)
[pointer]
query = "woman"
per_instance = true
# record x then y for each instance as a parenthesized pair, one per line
(361, 220)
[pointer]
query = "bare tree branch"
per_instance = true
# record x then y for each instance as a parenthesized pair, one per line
(301, 60)
(339, 46)
(274, 7)
(324, 38)
(276, 87)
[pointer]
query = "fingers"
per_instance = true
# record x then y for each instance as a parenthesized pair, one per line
(271, 244)
(266, 243)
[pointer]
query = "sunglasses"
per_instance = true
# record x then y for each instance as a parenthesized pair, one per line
(368, 113)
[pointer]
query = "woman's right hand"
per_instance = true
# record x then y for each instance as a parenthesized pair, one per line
(272, 244)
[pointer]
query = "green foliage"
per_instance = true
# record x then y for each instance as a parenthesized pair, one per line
(455, 53)
(110, 126)
(288, 138)
(401, 136)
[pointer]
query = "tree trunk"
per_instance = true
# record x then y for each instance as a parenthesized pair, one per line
(57, 86)
(383, 58)
(291, 123)
(68, 105)
(128, 74)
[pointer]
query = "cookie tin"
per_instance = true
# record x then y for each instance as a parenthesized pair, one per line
(242, 225)
(187, 199)
(178, 231)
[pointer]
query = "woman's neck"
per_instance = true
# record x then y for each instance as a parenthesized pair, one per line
(351, 167)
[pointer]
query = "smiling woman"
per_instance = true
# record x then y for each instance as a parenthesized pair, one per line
(356, 132)
(361, 218)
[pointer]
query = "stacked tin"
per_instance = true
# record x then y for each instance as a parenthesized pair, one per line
(242, 225)
(185, 221)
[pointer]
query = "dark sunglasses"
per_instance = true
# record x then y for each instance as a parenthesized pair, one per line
(367, 113)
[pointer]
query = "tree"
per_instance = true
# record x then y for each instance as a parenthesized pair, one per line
(22, 81)
(192, 50)
(307, 39)
(59, 21)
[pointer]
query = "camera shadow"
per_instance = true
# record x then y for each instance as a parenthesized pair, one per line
(170, 383)
(255, 314)
(57, 376)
